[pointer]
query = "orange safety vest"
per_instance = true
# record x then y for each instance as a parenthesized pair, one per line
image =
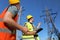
(5, 33)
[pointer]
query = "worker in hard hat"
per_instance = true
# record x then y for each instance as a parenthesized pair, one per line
(8, 22)
(30, 27)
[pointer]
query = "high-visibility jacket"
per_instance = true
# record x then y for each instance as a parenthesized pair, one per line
(30, 28)
(5, 32)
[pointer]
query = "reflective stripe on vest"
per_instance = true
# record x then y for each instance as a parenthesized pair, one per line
(5, 30)
(27, 37)
(1, 19)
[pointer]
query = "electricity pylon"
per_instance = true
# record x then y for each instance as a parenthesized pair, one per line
(50, 22)
(19, 19)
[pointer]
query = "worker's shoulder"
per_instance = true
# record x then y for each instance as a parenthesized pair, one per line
(27, 23)
(13, 10)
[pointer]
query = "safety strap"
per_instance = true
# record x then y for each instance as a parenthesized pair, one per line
(5, 30)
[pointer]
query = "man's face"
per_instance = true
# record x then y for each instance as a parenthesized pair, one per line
(18, 5)
(32, 19)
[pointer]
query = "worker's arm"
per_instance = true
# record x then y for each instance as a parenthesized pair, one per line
(31, 33)
(36, 30)
(8, 20)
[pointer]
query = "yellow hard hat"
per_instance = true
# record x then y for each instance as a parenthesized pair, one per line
(29, 16)
(14, 1)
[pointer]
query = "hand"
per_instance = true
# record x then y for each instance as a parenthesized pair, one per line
(39, 25)
(30, 33)
(34, 32)
(24, 30)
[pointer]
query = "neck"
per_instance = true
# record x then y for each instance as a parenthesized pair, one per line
(30, 21)
(18, 6)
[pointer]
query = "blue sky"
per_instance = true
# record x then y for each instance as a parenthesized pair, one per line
(35, 8)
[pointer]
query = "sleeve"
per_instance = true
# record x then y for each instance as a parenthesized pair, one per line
(13, 10)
